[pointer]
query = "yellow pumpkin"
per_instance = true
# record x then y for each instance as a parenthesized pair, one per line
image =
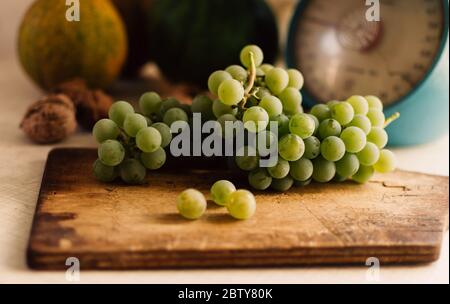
(53, 49)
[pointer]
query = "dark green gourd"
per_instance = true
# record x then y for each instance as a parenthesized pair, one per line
(192, 38)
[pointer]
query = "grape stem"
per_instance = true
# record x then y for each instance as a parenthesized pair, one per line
(391, 119)
(124, 137)
(254, 92)
(251, 81)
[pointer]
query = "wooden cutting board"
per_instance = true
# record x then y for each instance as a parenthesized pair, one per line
(397, 218)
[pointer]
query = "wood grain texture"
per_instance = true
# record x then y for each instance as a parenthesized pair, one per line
(398, 218)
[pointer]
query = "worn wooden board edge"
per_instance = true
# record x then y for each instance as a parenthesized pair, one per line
(300, 256)
(150, 260)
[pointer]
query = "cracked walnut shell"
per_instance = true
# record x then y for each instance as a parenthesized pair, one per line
(50, 119)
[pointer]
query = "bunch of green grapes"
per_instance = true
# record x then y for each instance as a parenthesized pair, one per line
(334, 142)
(352, 140)
(131, 143)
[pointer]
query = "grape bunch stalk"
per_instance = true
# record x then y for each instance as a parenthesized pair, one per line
(336, 141)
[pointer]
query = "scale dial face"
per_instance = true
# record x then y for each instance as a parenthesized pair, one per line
(342, 54)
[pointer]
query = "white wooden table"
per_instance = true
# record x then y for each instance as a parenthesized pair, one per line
(21, 168)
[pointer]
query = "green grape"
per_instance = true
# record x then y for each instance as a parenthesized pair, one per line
(219, 109)
(312, 147)
(241, 204)
(324, 170)
(222, 122)
(302, 124)
(132, 171)
(280, 170)
(321, 112)
(220, 191)
(111, 152)
(343, 112)
(168, 104)
(277, 80)
(103, 172)
(329, 127)
(119, 110)
(269, 138)
(249, 159)
(302, 184)
(258, 55)
(224, 118)
(363, 175)
(262, 92)
(164, 131)
(339, 179)
(231, 92)
(299, 109)
(191, 204)
(204, 105)
(296, 79)
(369, 155)
(255, 119)
(347, 166)
(291, 147)
(359, 104)
(316, 123)
(376, 117)
(362, 122)
(354, 139)
(332, 148)
(283, 184)
(331, 104)
(173, 115)
(272, 105)
(265, 67)
(259, 179)
(148, 139)
(133, 123)
(149, 103)
(374, 102)
(154, 160)
(283, 124)
(105, 129)
(301, 169)
(291, 100)
(216, 79)
(378, 136)
(237, 72)
(386, 162)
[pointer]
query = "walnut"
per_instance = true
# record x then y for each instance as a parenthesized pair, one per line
(50, 119)
(91, 105)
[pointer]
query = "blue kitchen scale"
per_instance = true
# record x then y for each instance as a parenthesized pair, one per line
(402, 58)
